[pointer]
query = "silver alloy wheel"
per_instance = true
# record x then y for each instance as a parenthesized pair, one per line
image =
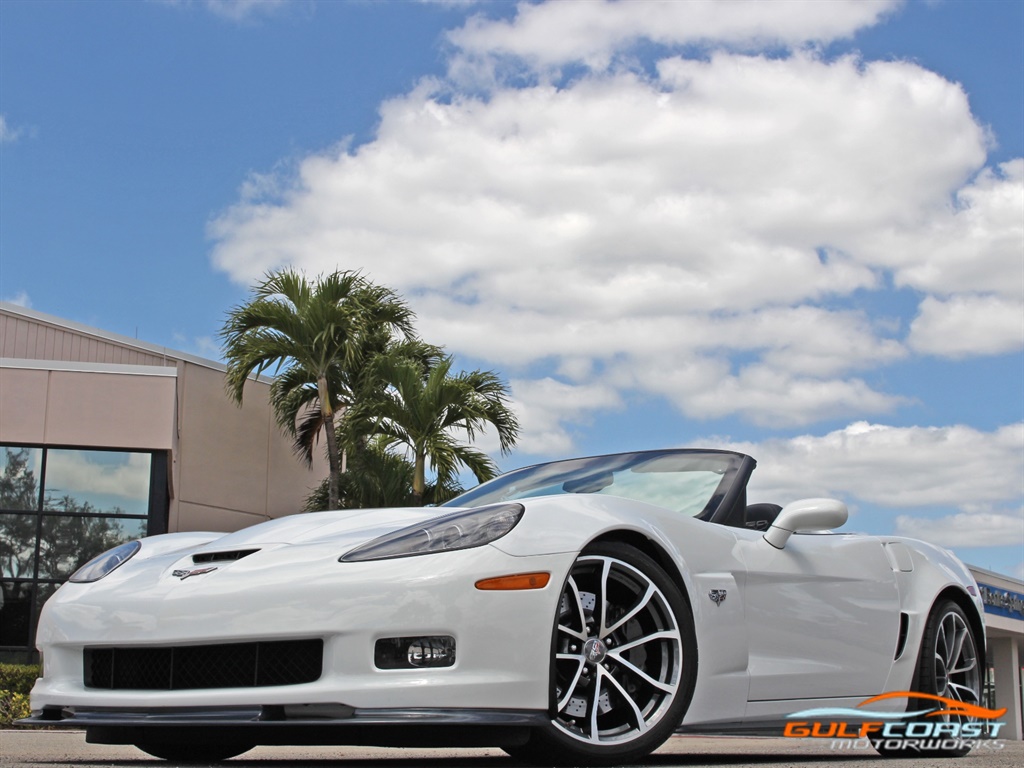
(957, 674)
(618, 653)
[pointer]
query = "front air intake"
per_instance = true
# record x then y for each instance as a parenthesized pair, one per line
(231, 665)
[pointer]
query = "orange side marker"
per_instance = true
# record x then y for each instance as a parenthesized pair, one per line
(516, 581)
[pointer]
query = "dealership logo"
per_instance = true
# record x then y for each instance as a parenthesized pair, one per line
(949, 724)
(184, 573)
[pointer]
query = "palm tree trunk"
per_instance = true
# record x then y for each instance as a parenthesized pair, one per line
(333, 460)
(419, 479)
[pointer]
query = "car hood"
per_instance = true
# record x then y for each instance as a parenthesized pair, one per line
(347, 528)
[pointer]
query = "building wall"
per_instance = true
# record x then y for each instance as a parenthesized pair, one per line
(233, 466)
(63, 383)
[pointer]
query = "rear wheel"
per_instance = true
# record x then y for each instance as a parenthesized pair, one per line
(178, 752)
(624, 662)
(948, 666)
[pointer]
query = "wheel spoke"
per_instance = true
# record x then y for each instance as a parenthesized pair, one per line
(641, 604)
(667, 687)
(959, 634)
(595, 735)
(962, 693)
(606, 570)
(641, 724)
(571, 688)
(665, 634)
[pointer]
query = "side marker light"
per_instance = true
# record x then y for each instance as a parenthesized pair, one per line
(515, 582)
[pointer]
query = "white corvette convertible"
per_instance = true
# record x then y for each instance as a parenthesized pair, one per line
(577, 612)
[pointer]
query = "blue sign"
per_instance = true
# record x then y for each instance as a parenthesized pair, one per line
(1002, 602)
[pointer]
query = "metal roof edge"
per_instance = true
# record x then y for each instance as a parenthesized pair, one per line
(115, 338)
(88, 367)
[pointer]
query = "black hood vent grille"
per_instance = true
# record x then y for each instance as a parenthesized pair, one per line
(222, 557)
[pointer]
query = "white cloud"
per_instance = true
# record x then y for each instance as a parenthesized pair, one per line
(968, 325)
(235, 10)
(894, 466)
(685, 233)
(7, 133)
(591, 31)
(21, 299)
(79, 474)
(965, 529)
(544, 406)
(240, 10)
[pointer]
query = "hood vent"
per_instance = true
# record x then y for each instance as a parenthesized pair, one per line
(221, 557)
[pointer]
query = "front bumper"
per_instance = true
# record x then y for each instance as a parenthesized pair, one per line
(298, 725)
(502, 638)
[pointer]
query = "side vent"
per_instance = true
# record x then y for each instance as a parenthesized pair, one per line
(220, 557)
(901, 642)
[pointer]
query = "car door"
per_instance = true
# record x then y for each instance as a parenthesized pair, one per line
(821, 614)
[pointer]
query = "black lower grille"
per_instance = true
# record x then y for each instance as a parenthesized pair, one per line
(234, 665)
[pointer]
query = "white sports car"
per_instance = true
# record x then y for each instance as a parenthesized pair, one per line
(577, 612)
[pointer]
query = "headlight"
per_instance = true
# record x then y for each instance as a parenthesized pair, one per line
(459, 530)
(103, 564)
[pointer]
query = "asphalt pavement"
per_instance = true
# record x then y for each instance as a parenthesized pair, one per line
(67, 749)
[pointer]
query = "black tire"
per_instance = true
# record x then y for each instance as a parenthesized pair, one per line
(948, 665)
(178, 752)
(623, 665)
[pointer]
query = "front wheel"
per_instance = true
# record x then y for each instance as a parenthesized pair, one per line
(624, 662)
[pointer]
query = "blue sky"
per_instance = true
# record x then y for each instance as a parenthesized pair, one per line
(796, 229)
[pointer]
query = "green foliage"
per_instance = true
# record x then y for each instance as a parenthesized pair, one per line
(378, 478)
(16, 681)
(424, 405)
(18, 678)
(13, 706)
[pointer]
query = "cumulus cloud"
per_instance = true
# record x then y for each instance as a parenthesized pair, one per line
(689, 230)
(591, 31)
(894, 466)
(965, 529)
(967, 325)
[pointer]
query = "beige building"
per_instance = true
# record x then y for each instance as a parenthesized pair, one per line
(104, 438)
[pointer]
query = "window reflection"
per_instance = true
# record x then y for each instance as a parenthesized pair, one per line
(59, 508)
(19, 477)
(91, 482)
(17, 545)
(69, 542)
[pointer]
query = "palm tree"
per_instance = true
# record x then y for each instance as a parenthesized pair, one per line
(425, 404)
(355, 383)
(312, 334)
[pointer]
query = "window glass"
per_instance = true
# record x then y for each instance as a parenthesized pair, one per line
(17, 545)
(91, 482)
(69, 542)
(19, 477)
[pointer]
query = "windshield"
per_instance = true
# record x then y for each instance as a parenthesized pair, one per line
(689, 482)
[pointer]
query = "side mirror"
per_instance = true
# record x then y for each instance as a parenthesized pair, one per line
(806, 515)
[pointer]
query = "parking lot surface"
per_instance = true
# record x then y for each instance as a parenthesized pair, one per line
(68, 749)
